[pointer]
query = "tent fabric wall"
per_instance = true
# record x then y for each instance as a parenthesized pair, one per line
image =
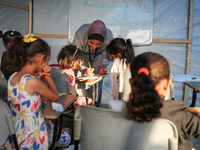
(170, 21)
(13, 18)
(51, 17)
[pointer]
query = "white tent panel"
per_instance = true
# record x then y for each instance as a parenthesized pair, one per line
(13, 19)
(170, 21)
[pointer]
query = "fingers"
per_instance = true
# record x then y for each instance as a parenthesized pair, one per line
(45, 71)
(89, 71)
(102, 71)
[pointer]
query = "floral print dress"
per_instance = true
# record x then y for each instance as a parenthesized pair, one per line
(29, 122)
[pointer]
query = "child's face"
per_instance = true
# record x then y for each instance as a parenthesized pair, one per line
(77, 65)
(113, 56)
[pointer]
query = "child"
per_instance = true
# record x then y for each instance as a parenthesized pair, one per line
(150, 82)
(31, 56)
(70, 59)
(7, 37)
(3, 88)
(122, 52)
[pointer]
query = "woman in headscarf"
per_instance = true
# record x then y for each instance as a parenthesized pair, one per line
(92, 39)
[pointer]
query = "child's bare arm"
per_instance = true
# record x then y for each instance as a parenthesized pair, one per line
(50, 91)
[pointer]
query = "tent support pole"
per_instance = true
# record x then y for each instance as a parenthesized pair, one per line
(30, 17)
(189, 47)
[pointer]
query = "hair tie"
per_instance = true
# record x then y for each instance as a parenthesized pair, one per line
(75, 51)
(144, 70)
(29, 38)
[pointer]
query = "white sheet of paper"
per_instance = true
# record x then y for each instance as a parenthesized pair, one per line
(185, 78)
(88, 77)
(57, 107)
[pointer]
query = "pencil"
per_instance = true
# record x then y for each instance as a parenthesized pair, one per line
(43, 73)
(89, 65)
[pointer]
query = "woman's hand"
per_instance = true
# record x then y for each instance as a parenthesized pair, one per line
(89, 71)
(103, 70)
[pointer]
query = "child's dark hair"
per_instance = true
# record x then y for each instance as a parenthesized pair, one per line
(68, 55)
(21, 53)
(122, 46)
(144, 103)
(9, 36)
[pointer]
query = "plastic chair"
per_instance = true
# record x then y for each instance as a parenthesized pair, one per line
(124, 85)
(171, 92)
(100, 129)
(61, 80)
(7, 126)
(3, 87)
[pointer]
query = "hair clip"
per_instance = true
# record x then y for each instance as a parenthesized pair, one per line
(29, 38)
(143, 70)
(12, 32)
(75, 51)
(5, 31)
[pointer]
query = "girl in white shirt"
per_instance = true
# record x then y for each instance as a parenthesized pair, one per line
(122, 53)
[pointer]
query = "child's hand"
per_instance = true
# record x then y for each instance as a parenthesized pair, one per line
(195, 111)
(47, 69)
(89, 101)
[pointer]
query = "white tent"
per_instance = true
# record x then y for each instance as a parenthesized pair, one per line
(176, 32)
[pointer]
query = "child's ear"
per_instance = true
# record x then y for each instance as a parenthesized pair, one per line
(119, 55)
(41, 58)
(168, 83)
(8, 45)
(130, 81)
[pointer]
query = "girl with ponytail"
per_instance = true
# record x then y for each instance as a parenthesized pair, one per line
(122, 53)
(150, 80)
